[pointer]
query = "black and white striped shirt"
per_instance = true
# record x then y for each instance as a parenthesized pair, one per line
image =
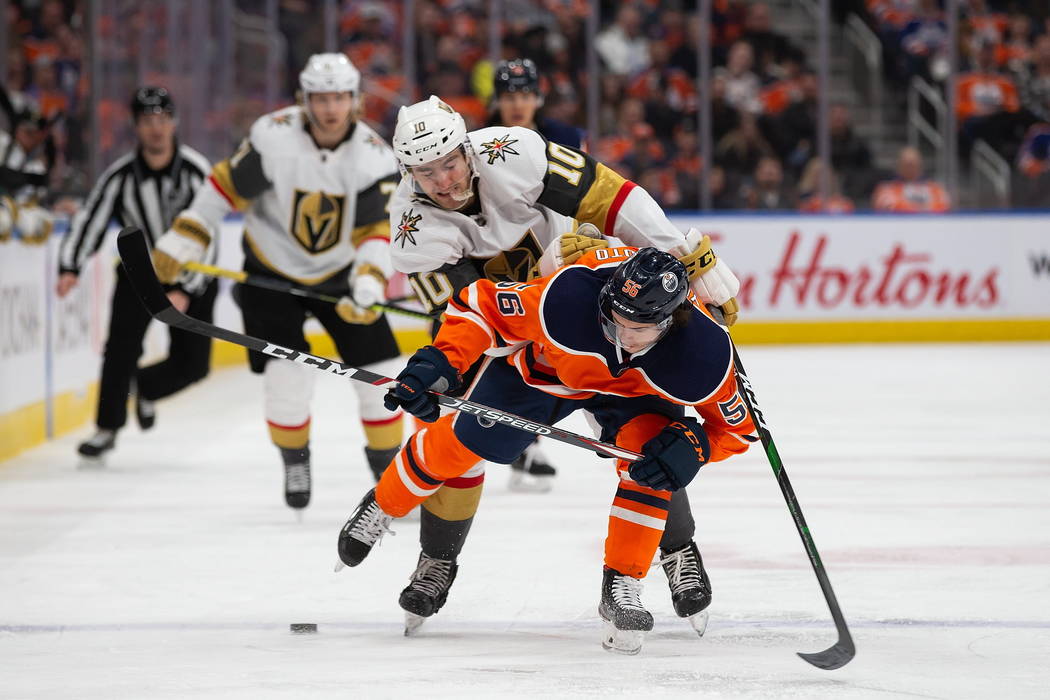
(133, 195)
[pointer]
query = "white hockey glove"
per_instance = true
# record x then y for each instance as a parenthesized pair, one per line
(184, 242)
(570, 247)
(367, 288)
(709, 277)
(8, 214)
(34, 224)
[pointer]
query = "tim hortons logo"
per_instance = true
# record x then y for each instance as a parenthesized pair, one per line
(902, 278)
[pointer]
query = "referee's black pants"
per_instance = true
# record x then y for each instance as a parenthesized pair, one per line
(188, 360)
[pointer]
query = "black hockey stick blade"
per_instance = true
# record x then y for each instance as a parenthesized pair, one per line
(835, 656)
(135, 257)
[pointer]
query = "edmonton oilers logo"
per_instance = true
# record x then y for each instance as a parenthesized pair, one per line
(669, 282)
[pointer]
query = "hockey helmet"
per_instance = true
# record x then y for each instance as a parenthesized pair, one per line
(151, 100)
(427, 131)
(519, 75)
(329, 72)
(645, 289)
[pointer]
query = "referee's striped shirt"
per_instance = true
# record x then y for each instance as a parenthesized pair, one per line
(133, 195)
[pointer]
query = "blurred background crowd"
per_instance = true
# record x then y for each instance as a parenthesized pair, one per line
(69, 67)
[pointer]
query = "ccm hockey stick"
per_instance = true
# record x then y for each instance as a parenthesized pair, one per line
(135, 256)
(276, 285)
(842, 651)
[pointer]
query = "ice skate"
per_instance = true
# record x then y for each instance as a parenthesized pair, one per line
(426, 591)
(626, 620)
(531, 472)
(95, 449)
(296, 477)
(689, 584)
(363, 530)
(145, 412)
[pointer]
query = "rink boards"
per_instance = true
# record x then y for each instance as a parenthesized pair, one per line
(805, 279)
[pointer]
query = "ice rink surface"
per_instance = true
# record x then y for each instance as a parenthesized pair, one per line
(923, 470)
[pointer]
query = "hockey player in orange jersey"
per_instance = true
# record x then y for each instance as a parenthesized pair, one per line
(616, 334)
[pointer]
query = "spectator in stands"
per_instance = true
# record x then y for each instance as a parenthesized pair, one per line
(1016, 48)
(622, 46)
(724, 117)
(768, 46)
(797, 132)
(910, 192)
(27, 155)
(741, 84)
(646, 151)
(923, 39)
(1035, 85)
(667, 91)
(766, 189)
(1032, 184)
(809, 197)
(740, 151)
(850, 155)
(987, 101)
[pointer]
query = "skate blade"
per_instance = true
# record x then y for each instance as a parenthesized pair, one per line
(622, 641)
(527, 483)
(412, 623)
(89, 463)
(698, 622)
(339, 566)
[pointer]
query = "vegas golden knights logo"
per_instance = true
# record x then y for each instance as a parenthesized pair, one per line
(317, 219)
(515, 264)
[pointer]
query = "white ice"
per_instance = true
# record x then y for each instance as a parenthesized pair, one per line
(924, 473)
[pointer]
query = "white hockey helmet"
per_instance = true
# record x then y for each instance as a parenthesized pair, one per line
(428, 130)
(329, 72)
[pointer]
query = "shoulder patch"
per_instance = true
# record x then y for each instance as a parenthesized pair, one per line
(499, 148)
(407, 228)
(281, 119)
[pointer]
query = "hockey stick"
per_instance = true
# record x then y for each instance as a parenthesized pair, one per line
(134, 255)
(276, 285)
(843, 651)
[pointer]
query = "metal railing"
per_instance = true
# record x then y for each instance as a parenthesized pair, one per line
(918, 125)
(990, 175)
(864, 54)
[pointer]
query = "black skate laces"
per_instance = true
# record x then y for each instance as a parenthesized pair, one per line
(297, 478)
(431, 576)
(626, 592)
(682, 569)
(371, 524)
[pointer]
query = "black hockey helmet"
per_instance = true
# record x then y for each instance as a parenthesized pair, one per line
(151, 100)
(646, 289)
(519, 75)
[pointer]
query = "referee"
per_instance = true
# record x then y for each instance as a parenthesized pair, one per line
(145, 188)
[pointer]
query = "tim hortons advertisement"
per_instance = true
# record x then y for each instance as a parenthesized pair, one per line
(886, 267)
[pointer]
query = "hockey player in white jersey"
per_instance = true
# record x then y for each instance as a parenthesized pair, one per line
(313, 182)
(497, 203)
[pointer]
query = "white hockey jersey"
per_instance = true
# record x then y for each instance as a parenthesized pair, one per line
(309, 212)
(530, 191)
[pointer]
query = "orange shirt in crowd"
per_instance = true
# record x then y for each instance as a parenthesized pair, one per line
(981, 94)
(910, 197)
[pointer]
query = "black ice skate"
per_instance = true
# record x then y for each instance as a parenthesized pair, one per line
(296, 477)
(426, 591)
(363, 530)
(689, 584)
(626, 620)
(531, 472)
(145, 412)
(94, 450)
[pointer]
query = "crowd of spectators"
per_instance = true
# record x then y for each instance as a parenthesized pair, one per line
(764, 92)
(1003, 90)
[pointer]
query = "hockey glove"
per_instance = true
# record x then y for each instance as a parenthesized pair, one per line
(570, 247)
(709, 277)
(427, 370)
(673, 457)
(184, 242)
(367, 288)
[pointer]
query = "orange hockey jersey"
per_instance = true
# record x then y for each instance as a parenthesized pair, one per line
(549, 329)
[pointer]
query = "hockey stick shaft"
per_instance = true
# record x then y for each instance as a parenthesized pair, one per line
(134, 255)
(843, 651)
(276, 285)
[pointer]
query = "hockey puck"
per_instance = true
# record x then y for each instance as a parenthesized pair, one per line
(303, 627)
